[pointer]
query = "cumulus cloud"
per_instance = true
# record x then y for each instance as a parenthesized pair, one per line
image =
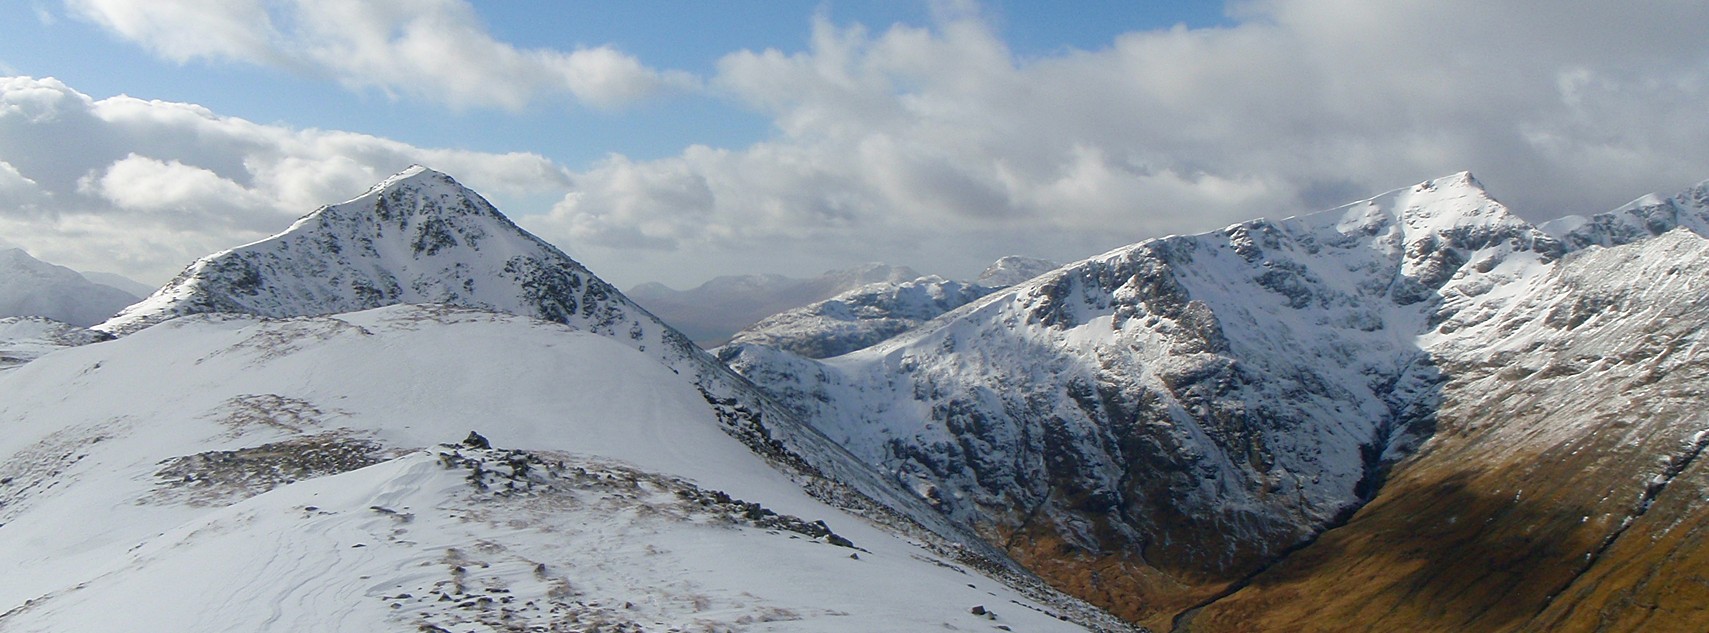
(432, 50)
(936, 146)
(940, 147)
(145, 187)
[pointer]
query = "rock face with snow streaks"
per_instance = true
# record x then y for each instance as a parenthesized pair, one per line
(1564, 489)
(1150, 427)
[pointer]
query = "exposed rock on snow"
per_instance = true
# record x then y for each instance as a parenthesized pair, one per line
(1565, 488)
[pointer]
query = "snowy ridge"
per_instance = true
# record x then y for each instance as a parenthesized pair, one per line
(1647, 216)
(417, 237)
(1565, 482)
(1193, 404)
(31, 287)
(224, 472)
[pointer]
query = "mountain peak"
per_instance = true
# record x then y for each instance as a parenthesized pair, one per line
(412, 174)
(416, 237)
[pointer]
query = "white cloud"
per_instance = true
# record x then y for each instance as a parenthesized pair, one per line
(144, 187)
(431, 50)
(188, 29)
(940, 147)
(937, 146)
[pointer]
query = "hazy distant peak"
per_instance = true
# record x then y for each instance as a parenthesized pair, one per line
(1014, 269)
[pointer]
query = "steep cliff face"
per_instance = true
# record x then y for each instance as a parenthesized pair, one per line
(1154, 423)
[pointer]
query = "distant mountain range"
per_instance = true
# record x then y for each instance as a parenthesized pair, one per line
(31, 287)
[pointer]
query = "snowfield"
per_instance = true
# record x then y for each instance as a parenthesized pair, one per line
(218, 472)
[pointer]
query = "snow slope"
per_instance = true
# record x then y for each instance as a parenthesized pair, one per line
(864, 316)
(224, 472)
(31, 287)
(23, 339)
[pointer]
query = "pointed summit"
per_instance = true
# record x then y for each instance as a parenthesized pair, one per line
(416, 237)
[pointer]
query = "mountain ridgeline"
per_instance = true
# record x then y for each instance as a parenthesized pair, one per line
(1164, 428)
(1414, 412)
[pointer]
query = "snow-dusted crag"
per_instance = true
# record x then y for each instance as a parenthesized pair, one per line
(31, 287)
(1156, 423)
(1565, 488)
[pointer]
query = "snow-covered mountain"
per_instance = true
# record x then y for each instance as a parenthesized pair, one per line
(31, 287)
(1190, 409)
(428, 468)
(420, 237)
(859, 318)
(237, 416)
(711, 312)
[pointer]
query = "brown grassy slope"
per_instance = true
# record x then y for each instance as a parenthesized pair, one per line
(1123, 584)
(1654, 578)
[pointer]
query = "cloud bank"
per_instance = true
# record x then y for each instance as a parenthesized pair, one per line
(919, 138)
(935, 146)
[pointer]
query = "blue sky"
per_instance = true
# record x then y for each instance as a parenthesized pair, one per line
(48, 40)
(674, 141)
